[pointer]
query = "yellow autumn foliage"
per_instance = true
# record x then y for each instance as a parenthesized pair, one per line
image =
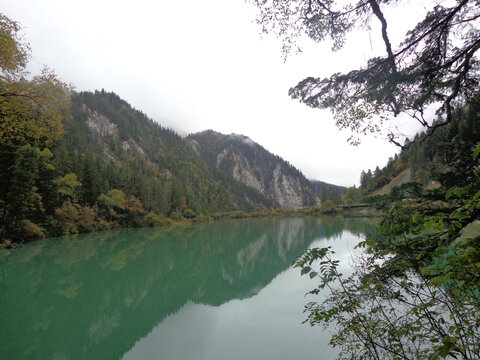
(31, 108)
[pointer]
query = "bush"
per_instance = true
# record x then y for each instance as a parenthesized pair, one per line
(66, 219)
(32, 231)
(189, 214)
(203, 219)
(176, 216)
(73, 219)
(263, 213)
(154, 219)
(328, 207)
(87, 218)
(238, 215)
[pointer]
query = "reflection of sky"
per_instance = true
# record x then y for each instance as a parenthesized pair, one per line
(343, 245)
(266, 326)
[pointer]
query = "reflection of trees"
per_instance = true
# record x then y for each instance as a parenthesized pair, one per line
(333, 226)
(94, 296)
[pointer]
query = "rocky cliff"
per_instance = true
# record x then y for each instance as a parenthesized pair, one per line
(251, 164)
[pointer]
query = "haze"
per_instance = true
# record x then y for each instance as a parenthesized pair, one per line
(193, 66)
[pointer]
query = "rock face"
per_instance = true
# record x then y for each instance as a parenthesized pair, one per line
(103, 127)
(99, 124)
(251, 164)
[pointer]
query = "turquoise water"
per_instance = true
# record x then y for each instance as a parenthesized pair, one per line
(224, 290)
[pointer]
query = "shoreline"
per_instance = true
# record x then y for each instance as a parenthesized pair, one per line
(169, 222)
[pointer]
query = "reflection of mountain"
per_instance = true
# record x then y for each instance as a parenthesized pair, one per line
(261, 252)
(94, 296)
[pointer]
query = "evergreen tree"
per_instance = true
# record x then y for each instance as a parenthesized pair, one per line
(90, 188)
(21, 196)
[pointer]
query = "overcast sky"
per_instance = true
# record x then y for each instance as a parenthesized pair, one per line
(195, 65)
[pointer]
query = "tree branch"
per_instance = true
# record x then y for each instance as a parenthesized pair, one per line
(378, 13)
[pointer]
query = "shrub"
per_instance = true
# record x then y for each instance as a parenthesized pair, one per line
(189, 214)
(154, 219)
(32, 231)
(328, 207)
(176, 216)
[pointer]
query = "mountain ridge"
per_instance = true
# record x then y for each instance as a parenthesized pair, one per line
(253, 165)
(128, 138)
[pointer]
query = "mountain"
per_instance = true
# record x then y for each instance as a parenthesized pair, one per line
(328, 191)
(137, 155)
(254, 166)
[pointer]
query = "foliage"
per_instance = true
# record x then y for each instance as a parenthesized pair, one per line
(32, 231)
(153, 219)
(176, 216)
(133, 211)
(19, 196)
(74, 219)
(382, 315)
(232, 215)
(67, 186)
(434, 66)
(116, 199)
(331, 194)
(434, 156)
(189, 214)
(14, 54)
(327, 207)
(31, 114)
(353, 195)
(31, 110)
(415, 289)
(320, 186)
(373, 181)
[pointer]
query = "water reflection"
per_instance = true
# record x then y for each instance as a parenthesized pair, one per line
(94, 296)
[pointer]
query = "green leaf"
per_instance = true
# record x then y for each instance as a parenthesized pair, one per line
(416, 218)
(306, 270)
(476, 196)
(449, 193)
(476, 152)
(371, 242)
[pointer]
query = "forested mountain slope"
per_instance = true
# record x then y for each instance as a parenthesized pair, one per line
(139, 156)
(328, 191)
(432, 158)
(251, 164)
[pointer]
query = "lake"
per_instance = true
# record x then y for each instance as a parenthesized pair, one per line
(224, 290)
